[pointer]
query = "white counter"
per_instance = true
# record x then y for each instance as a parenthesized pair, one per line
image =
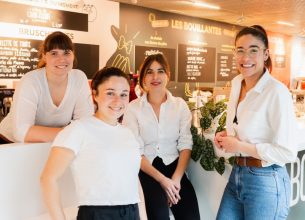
(22, 164)
(20, 169)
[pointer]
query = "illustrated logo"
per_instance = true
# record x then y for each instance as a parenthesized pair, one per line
(121, 57)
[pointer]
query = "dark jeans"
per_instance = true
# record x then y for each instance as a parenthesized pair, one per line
(156, 200)
(117, 212)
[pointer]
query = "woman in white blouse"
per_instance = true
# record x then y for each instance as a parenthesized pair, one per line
(48, 98)
(161, 124)
(260, 131)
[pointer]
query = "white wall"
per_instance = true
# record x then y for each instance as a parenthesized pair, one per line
(298, 57)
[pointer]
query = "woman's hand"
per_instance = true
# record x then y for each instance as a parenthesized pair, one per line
(228, 144)
(217, 136)
(171, 189)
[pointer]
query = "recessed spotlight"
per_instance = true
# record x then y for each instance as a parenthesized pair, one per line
(206, 5)
(285, 23)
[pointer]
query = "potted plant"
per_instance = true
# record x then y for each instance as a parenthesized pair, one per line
(212, 119)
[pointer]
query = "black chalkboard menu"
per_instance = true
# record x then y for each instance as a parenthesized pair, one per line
(226, 67)
(141, 52)
(44, 17)
(196, 64)
(19, 56)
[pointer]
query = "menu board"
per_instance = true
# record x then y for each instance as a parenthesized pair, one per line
(43, 17)
(142, 52)
(196, 64)
(19, 56)
(226, 67)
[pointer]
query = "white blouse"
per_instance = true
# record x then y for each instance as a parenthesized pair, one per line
(164, 137)
(265, 118)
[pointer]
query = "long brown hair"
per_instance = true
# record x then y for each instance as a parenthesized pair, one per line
(160, 58)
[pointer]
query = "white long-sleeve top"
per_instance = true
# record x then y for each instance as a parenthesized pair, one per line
(265, 118)
(33, 105)
(164, 137)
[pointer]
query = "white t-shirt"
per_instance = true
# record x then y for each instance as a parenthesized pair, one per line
(33, 105)
(265, 118)
(106, 164)
(164, 137)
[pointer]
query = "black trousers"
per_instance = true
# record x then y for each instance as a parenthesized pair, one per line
(118, 212)
(156, 200)
(3, 140)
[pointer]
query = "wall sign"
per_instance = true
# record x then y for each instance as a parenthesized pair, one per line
(196, 40)
(196, 64)
(226, 67)
(43, 17)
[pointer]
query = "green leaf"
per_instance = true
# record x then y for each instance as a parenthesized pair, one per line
(194, 130)
(231, 160)
(205, 112)
(209, 149)
(220, 165)
(207, 163)
(219, 129)
(197, 148)
(191, 105)
(222, 119)
(205, 122)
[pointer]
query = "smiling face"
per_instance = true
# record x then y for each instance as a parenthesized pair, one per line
(250, 54)
(58, 61)
(112, 98)
(156, 77)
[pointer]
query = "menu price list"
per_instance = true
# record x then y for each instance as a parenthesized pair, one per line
(226, 67)
(196, 64)
(17, 57)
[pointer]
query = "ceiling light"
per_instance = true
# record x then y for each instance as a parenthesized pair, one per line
(285, 23)
(206, 5)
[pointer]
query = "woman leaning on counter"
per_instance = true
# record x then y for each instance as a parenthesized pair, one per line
(162, 122)
(48, 98)
(260, 131)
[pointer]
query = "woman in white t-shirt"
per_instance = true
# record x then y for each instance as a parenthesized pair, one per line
(48, 98)
(103, 154)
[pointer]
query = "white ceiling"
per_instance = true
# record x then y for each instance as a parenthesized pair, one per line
(240, 12)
